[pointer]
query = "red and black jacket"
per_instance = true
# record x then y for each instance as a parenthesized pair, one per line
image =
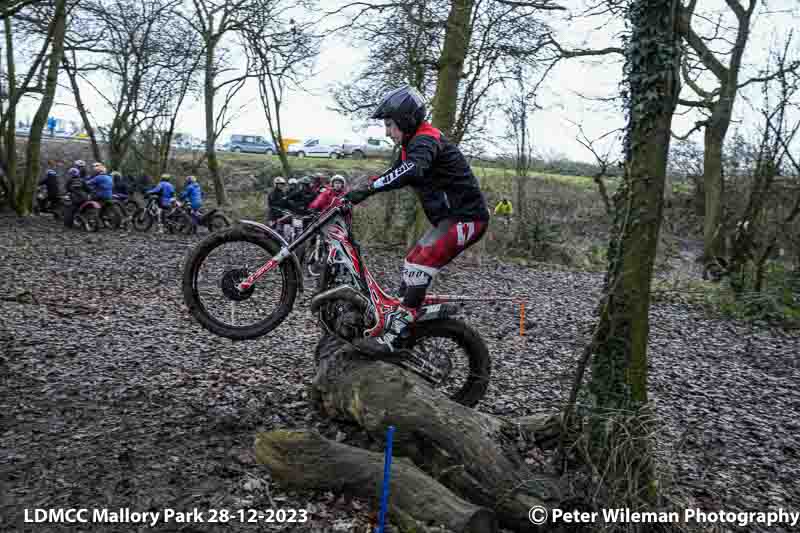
(439, 174)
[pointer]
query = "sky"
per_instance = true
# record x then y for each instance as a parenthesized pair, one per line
(554, 128)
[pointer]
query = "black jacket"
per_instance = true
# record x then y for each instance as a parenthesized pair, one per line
(439, 174)
(51, 182)
(277, 200)
(300, 199)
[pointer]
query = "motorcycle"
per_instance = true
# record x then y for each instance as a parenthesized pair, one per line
(175, 219)
(213, 220)
(86, 217)
(127, 203)
(255, 291)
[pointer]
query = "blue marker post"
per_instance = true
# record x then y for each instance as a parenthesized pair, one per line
(387, 474)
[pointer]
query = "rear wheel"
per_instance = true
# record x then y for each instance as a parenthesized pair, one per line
(142, 220)
(217, 266)
(358, 154)
(130, 207)
(301, 154)
(218, 222)
(89, 219)
(179, 222)
(457, 353)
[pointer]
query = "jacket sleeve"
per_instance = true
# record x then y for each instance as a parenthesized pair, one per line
(154, 190)
(322, 200)
(420, 155)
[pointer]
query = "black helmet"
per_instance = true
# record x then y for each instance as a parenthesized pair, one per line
(404, 106)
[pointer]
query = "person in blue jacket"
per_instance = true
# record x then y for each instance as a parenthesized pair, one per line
(102, 186)
(101, 183)
(165, 190)
(194, 193)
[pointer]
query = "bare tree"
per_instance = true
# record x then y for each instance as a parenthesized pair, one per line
(281, 57)
(717, 104)
(18, 187)
(213, 21)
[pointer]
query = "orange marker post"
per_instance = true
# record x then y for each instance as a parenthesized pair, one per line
(521, 319)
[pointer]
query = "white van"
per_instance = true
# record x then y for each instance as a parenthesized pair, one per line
(317, 147)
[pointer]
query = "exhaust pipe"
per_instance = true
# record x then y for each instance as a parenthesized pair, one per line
(342, 292)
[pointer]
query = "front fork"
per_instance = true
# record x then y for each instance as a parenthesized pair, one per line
(285, 251)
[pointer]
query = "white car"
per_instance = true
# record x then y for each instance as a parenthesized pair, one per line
(316, 147)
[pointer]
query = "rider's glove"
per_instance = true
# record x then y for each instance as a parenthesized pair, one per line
(358, 195)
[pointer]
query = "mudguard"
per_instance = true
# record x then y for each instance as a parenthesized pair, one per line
(275, 235)
(436, 312)
(90, 203)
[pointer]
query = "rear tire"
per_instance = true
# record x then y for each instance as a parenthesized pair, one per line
(90, 219)
(142, 220)
(474, 387)
(218, 222)
(191, 294)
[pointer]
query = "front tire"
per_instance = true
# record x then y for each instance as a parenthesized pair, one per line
(191, 290)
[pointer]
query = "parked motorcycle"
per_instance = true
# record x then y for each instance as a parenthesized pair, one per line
(213, 220)
(175, 219)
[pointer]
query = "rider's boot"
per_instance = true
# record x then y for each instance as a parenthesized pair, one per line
(396, 326)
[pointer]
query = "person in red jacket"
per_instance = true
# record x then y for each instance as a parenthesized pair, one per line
(324, 199)
(450, 196)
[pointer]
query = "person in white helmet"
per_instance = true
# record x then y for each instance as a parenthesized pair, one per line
(324, 199)
(277, 199)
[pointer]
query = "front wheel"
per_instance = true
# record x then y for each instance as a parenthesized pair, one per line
(459, 355)
(212, 274)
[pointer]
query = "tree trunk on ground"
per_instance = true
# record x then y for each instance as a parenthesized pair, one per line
(619, 441)
(451, 65)
(24, 197)
(211, 137)
(415, 499)
(471, 453)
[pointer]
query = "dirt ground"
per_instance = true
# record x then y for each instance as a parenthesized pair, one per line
(111, 397)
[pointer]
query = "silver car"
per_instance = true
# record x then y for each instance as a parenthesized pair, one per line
(373, 147)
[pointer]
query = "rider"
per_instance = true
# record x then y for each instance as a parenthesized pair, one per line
(450, 196)
(78, 194)
(102, 186)
(278, 199)
(80, 164)
(194, 193)
(504, 209)
(50, 180)
(324, 199)
(166, 192)
(300, 199)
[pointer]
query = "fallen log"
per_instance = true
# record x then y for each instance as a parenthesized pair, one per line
(472, 453)
(303, 459)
